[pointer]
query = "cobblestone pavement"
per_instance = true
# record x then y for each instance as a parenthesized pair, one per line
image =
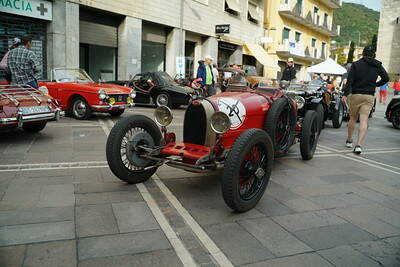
(61, 206)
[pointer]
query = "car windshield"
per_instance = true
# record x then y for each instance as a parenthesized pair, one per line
(268, 83)
(237, 79)
(71, 75)
(250, 70)
(166, 78)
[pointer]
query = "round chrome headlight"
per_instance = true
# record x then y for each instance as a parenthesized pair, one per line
(132, 94)
(300, 101)
(102, 94)
(163, 116)
(220, 122)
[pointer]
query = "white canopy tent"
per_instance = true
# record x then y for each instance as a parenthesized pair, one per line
(328, 67)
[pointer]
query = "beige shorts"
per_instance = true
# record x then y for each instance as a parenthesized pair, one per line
(361, 104)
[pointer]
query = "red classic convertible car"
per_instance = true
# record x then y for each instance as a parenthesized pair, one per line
(26, 107)
(239, 132)
(80, 96)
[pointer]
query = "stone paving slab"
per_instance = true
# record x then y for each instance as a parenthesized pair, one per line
(12, 256)
(134, 216)
(272, 207)
(333, 235)
(120, 244)
(274, 237)
(107, 197)
(165, 258)
(345, 256)
(237, 244)
(383, 251)
(92, 220)
(31, 233)
(51, 254)
(302, 260)
(103, 187)
(57, 196)
(36, 215)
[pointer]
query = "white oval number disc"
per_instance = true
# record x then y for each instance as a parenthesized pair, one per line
(234, 109)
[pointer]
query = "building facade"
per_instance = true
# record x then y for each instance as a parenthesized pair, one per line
(388, 50)
(299, 29)
(118, 39)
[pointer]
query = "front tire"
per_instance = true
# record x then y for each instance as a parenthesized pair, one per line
(309, 135)
(395, 118)
(122, 156)
(116, 113)
(80, 109)
(321, 115)
(34, 128)
(337, 116)
(247, 170)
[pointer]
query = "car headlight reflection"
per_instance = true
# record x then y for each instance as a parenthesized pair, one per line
(163, 116)
(300, 101)
(102, 94)
(132, 94)
(44, 90)
(220, 122)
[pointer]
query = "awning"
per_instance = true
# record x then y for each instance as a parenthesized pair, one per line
(232, 4)
(262, 56)
(254, 13)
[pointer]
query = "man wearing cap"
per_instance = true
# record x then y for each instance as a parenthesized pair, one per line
(361, 84)
(206, 74)
(289, 73)
(23, 63)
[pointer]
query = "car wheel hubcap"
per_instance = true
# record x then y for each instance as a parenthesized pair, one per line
(79, 108)
(252, 172)
(162, 100)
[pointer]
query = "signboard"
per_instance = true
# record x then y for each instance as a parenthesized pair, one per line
(266, 40)
(223, 28)
(227, 46)
(180, 66)
(39, 9)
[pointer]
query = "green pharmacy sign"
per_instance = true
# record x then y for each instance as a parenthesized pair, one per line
(31, 8)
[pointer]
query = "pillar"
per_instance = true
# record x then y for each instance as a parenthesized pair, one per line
(175, 48)
(129, 48)
(210, 48)
(63, 36)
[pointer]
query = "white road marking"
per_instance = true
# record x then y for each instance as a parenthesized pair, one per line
(328, 148)
(212, 248)
(53, 166)
(377, 162)
(374, 164)
(180, 249)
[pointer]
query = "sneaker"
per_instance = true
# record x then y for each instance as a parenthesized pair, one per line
(349, 144)
(357, 150)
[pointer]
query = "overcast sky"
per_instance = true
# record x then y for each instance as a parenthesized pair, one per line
(373, 4)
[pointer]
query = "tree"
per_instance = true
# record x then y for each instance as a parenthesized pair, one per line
(341, 58)
(350, 58)
(374, 41)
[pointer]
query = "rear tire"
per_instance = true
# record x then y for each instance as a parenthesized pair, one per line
(116, 113)
(272, 124)
(34, 128)
(241, 168)
(395, 118)
(123, 167)
(337, 116)
(309, 135)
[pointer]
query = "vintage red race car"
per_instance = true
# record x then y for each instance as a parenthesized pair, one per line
(79, 95)
(239, 132)
(27, 108)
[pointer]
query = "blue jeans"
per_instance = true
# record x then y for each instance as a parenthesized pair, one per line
(33, 84)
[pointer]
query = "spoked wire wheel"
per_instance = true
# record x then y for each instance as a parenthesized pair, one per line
(124, 152)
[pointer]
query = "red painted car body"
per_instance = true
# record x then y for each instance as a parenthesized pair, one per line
(26, 107)
(79, 84)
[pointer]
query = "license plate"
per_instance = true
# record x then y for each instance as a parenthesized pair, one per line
(34, 110)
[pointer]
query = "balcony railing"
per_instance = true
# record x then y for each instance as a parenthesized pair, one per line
(332, 3)
(297, 51)
(297, 13)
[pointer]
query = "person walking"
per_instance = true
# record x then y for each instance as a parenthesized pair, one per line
(289, 73)
(23, 63)
(383, 93)
(396, 87)
(206, 74)
(361, 84)
(4, 60)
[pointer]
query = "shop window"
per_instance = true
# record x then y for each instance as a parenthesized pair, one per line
(153, 56)
(253, 14)
(297, 37)
(232, 7)
(285, 33)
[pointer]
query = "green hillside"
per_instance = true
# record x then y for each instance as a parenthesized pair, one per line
(354, 18)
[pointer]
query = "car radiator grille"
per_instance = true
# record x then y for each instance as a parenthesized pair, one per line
(119, 97)
(195, 125)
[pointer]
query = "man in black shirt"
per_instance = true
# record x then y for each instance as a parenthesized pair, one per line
(289, 73)
(361, 84)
